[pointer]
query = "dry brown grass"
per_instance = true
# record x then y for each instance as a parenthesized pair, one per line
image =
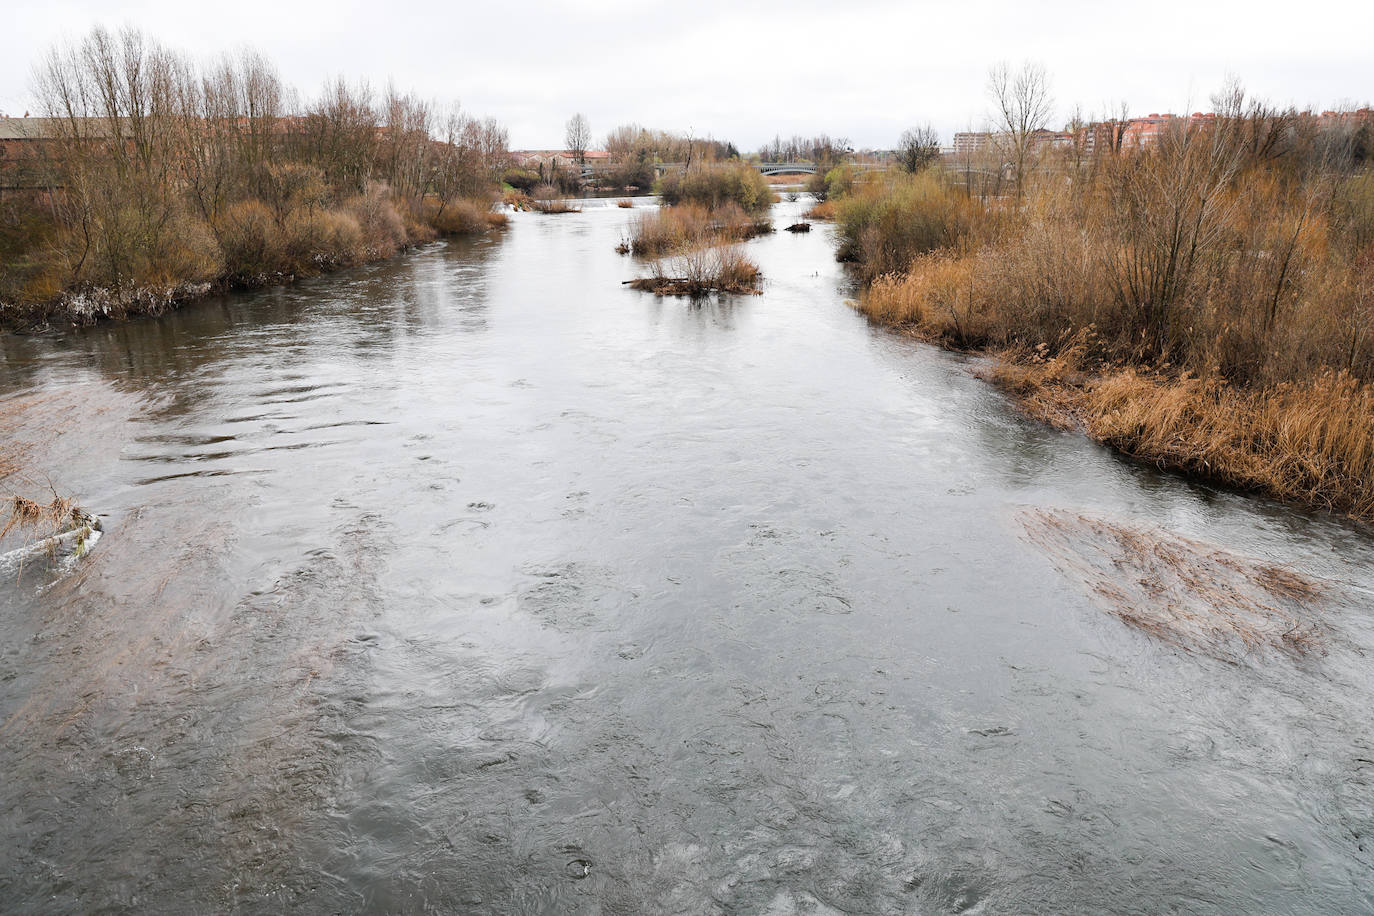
(625, 203)
(517, 199)
(43, 520)
(685, 226)
(1184, 592)
(824, 210)
(465, 216)
(700, 271)
(1310, 442)
(548, 199)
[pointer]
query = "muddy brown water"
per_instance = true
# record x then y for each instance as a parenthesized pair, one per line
(472, 582)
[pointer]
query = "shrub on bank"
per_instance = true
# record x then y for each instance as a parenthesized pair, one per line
(883, 225)
(715, 184)
(1193, 303)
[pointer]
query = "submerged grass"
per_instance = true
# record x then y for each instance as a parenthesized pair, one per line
(1192, 595)
(42, 519)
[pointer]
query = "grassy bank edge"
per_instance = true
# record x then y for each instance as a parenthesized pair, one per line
(90, 306)
(1306, 444)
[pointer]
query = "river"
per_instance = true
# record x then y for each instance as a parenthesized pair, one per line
(473, 582)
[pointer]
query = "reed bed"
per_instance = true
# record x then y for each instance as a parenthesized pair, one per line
(549, 199)
(673, 229)
(701, 271)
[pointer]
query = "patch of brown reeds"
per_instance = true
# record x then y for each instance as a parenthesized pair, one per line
(465, 216)
(700, 271)
(517, 199)
(1310, 442)
(625, 203)
(45, 520)
(823, 210)
(1184, 592)
(548, 199)
(671, 229)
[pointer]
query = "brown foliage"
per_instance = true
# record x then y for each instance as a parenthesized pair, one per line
(163, 176)
(1194, 303)
(702, 270)
(670, 229)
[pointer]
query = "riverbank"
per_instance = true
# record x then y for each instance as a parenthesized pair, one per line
(92, 304)
(1308, 443)
(1191, 303)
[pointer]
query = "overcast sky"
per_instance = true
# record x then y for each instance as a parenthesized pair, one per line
(742, 70)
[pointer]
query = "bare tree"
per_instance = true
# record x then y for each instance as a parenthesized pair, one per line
(1023, 106)
(577, 135)
(918, 149)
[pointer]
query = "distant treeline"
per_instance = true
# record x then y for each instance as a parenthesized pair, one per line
(158, 175)
(823, 150)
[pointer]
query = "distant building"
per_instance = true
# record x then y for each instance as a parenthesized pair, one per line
(973, 141)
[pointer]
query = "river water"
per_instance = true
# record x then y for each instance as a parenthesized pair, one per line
(472, 582)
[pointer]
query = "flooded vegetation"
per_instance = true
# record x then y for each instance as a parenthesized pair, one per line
(472, 581)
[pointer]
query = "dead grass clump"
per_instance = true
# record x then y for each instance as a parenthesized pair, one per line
(465, 216)
(671, 229)
(823, 210)
(517, 199)
(883, 225)
(937, 297)
(1189, 594)
(625, 203)
(548, 199)
(700, 271)
(44, 520)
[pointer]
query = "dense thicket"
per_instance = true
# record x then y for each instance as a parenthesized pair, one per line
(158, 173)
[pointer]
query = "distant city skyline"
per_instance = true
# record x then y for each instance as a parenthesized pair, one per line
(744, 72)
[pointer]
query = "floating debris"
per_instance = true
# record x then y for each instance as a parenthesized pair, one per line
(70, 530)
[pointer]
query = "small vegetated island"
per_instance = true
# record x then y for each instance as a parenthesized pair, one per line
(691, 243)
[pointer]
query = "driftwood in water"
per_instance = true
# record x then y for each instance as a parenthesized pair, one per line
(799, 227)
